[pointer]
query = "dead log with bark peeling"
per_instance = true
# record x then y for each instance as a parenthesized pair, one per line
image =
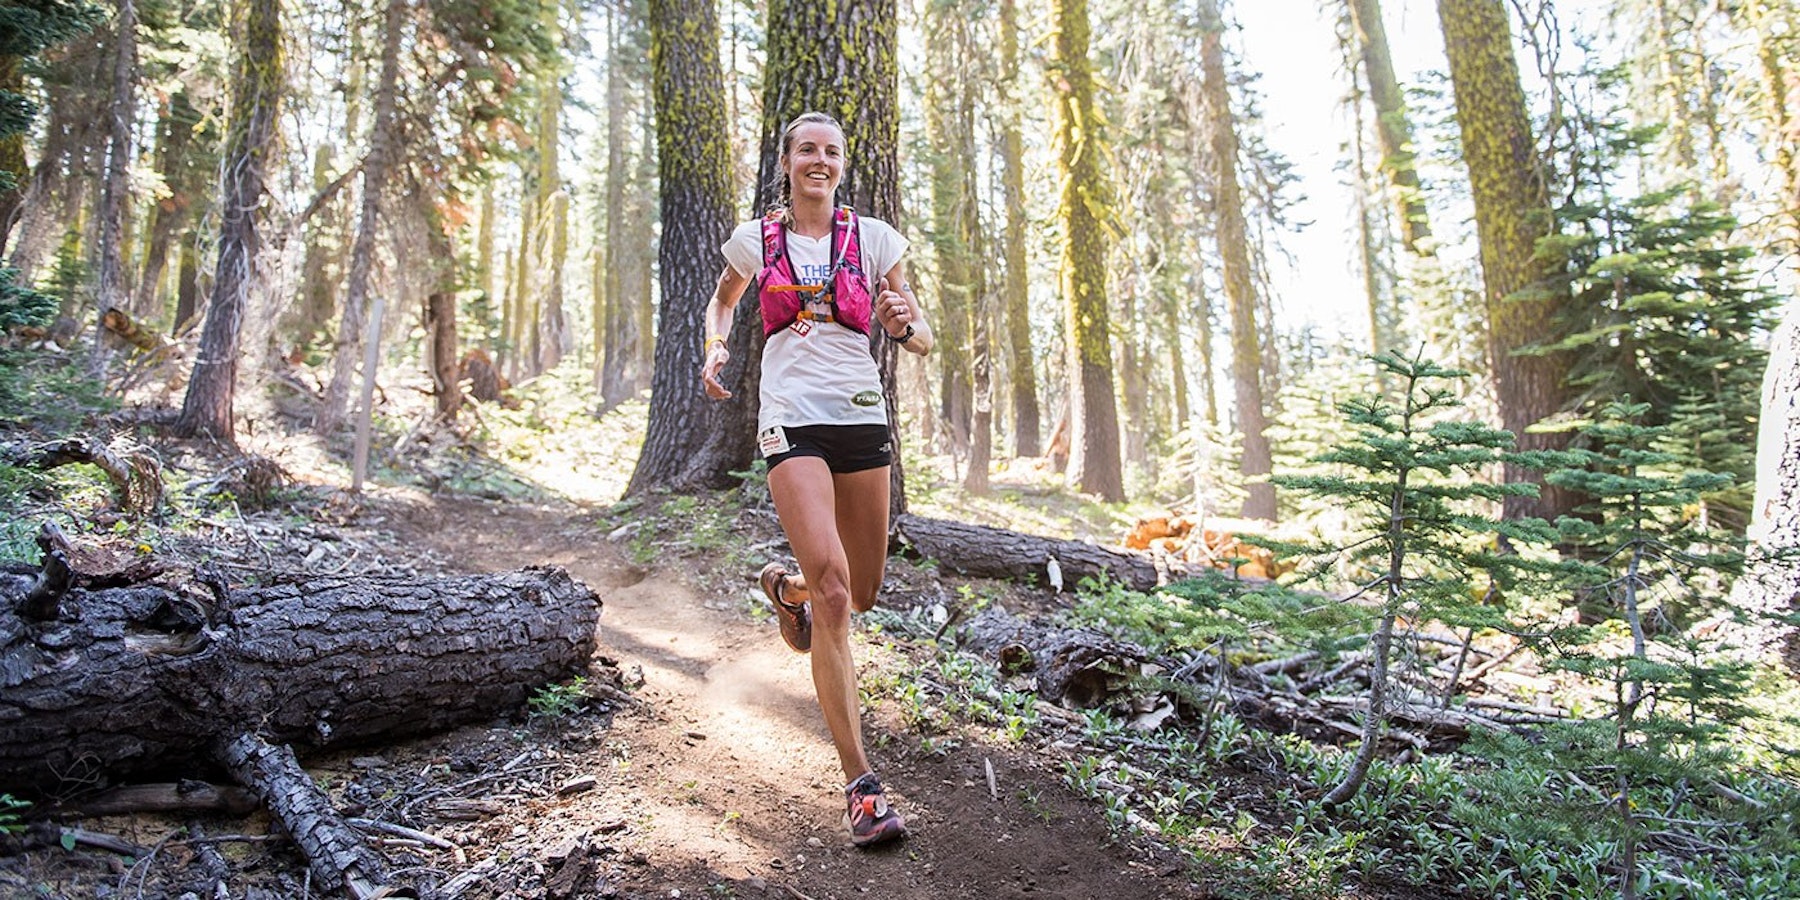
(152, 678)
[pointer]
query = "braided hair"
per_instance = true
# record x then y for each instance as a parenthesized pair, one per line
(784, 188)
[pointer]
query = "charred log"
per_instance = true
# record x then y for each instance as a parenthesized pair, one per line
(153, 678)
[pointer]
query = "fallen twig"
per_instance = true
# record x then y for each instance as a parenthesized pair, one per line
(430, 840)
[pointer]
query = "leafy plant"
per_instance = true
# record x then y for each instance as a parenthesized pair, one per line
(12, 814)
(553, 701)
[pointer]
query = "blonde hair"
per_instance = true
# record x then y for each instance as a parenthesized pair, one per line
(784, 188)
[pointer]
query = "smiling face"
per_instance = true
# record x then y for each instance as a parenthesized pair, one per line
(814, 160)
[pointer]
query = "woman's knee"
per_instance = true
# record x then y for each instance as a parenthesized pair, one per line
(831, 598)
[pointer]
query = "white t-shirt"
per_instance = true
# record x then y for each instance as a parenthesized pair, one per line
(819, 373)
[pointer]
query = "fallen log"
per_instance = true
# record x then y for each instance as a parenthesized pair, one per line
(336, 852)
(152, 679)
(135, 474)
(986, 552)
(1073, 668)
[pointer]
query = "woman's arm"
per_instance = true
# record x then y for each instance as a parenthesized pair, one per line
(719, 312)
(898, 311)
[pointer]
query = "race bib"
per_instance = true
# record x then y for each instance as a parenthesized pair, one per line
(773, 441)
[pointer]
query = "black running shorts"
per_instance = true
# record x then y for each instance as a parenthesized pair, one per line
(844, 448)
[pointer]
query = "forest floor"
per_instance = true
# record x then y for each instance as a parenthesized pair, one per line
(691, 762)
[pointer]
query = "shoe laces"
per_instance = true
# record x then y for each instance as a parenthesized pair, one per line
(866, 796)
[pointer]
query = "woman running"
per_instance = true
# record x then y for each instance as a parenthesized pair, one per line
(824, 277)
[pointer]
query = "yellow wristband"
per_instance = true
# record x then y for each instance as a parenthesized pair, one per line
(707, 347)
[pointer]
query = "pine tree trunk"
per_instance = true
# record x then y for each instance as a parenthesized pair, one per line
(484, 267)
(1393, 131)
(1256, 461)
(553, 207)
(376, 168)
(616, 357)
(1094, 464)
(643, 290)
(680, 451)
(981, 381)
(175, 140)
(1512, 212)
(443, 344)
(187, 286)
(837, 58)
(1131, 377)
(1770, 585)
(12, 156)
(318, 282)
(1021, 362)
(257, 81)
(54, 205)
(949, 163)
(110, 287)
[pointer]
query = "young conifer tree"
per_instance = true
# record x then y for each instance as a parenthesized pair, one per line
(1420, 539)
(1667, 697)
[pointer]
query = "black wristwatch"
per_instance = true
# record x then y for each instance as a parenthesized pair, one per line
(905, 336)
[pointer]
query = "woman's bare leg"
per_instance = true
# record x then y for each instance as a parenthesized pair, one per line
(806, 499)
(862, 524)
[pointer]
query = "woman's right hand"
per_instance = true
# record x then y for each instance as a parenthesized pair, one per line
(716, 358)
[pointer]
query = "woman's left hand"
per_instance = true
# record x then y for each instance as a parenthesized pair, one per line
(893, 310)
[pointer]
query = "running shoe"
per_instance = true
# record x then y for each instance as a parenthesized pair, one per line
(795, 618)
(870, 819)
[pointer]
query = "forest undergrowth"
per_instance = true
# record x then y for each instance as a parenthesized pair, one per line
(1528, 754)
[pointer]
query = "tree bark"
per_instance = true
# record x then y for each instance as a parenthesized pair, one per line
(148, 679)
(1256, 461)
(380, 162)
(339, 857)
(983, 552)
(1512, 212)
(680, 451)
(446, 383)
(1022, 368)
(121, 119)
(1393, 131)
(614, 336)
(174, 148)
(1770, 585)
(837, 58)
(1094, 463)
(257, 82)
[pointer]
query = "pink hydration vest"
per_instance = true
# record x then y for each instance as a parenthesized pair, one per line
(782, 297)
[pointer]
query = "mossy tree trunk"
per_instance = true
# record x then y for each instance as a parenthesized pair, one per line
(949, 164)
(1094, 464)
(1255, 461)
(1393, 130)
(1016, 290)
(257, 82)
(614, 335)
(680, 450)
(837, 58)
(552, 247)
(1512, 213)
(13, 163)
(178, 161)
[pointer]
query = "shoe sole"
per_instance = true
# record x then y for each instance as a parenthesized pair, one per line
(891, 831)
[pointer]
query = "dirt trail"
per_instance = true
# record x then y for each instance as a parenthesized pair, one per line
(725, 775)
